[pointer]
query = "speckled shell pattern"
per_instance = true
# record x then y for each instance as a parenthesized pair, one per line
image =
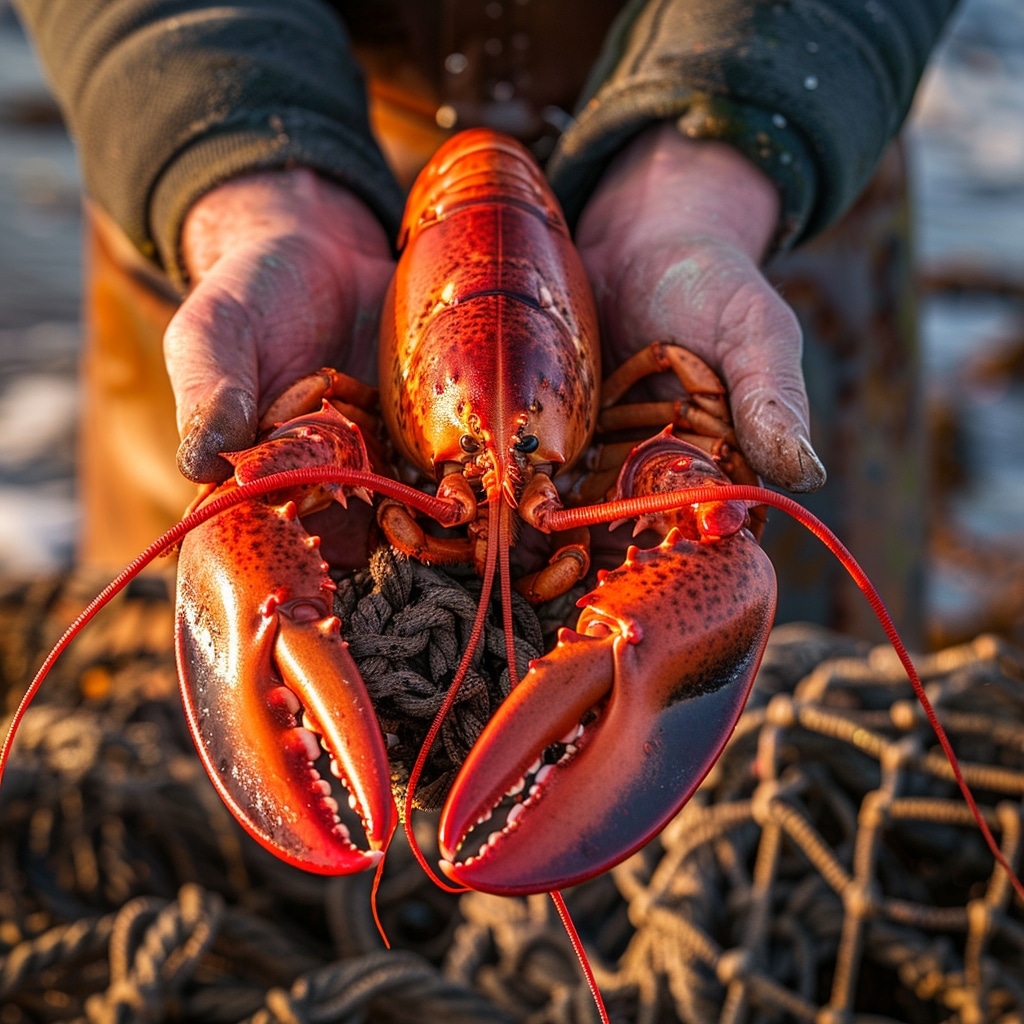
(253, 620)
(489, 327)
(671, 642)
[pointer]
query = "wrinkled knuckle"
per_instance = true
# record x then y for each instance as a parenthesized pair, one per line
(756, 307)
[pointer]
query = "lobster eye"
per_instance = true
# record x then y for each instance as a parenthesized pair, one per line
(527, 443)
(469, 444)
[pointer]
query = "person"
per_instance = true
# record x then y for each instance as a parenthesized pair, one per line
(245, 188)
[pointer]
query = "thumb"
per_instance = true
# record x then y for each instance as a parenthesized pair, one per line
(210, 351)
(760, 358)
(773, 435)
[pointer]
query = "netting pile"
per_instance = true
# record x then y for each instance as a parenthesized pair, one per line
(826, 871)
(407, 626)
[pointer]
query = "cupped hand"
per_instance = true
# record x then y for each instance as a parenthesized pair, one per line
(288, 274)
(671, 240)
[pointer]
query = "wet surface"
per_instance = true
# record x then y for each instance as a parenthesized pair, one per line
(40, 261)
(968, 146)
(967, 162)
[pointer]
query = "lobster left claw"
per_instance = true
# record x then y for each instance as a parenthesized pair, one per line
(263, 669)
(609, 734)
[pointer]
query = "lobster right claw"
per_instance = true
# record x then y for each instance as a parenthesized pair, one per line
(256, 642)
(609, 734)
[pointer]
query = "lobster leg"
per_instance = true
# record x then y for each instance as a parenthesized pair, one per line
(608, 735)
(405, 533)
(701, 417)
(566, 567)
(307, 394)
(704, 409)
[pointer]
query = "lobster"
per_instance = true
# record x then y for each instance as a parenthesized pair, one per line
(255, 646)
(490, 387)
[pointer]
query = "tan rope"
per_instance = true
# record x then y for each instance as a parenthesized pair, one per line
(825, 870)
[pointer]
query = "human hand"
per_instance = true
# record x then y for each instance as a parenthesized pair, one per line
(671, 241)
(289, 273)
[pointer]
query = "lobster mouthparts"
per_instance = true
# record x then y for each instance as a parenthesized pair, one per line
(609, 734)
(263, 671)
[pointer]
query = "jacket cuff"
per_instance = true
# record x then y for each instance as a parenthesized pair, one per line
(810, 90)
(295, 138)
(169, 98)
(766, 139)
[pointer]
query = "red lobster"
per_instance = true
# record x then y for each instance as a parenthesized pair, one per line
(489, 377)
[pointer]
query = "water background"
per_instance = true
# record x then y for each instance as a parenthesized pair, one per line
(966, 146)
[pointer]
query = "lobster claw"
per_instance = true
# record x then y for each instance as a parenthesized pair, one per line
(252, 647)
(609, 734)
(263, 669)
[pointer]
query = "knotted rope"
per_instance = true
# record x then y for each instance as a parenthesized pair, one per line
(407, 626)
(826, 869)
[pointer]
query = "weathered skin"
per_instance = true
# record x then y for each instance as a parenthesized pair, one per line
(673, 639)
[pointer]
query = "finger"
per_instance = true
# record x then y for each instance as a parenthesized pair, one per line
(760, 351)
(226, 422)
(775, 441)
(210, 353)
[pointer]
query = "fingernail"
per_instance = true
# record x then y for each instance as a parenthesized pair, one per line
(773, 436)
(224, 423)
(199, 457)
(782, 454)
(812, 473)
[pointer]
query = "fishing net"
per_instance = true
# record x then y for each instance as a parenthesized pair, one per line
(826, 871)
(407, 626)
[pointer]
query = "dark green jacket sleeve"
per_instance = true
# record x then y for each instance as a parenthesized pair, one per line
(810, 90)
(168, 98)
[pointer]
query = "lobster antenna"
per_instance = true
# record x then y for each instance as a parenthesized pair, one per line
(244, 492)
(581, 954)
(377, 875)
(477, 631)
(648, 504)
(159, 547)
(505, 577)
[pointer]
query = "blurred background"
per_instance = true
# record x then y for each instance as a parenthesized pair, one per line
(966, 148)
